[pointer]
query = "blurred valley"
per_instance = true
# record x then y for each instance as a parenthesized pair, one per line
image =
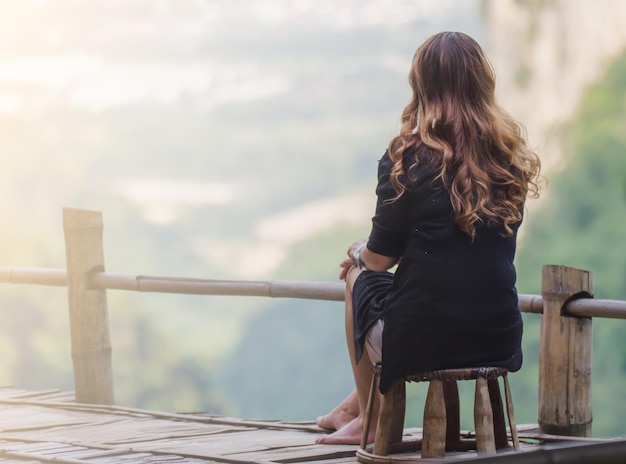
(239, 139)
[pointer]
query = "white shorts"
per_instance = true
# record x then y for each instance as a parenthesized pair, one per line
(374, 341)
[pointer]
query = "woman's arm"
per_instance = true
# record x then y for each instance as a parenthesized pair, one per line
(388, 228)
(375, 262)
(366, 259)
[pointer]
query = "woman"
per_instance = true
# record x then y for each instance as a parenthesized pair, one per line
(451, 192)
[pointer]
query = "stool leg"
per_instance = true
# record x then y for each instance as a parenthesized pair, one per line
(453, 414)
(434, 427)
(368, 411)
(510, 412)
(483, 418)
(390, 419)
(499, 425)
(399, 408)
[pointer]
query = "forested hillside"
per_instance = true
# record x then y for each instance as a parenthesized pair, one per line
(219, 140)
(582, 223)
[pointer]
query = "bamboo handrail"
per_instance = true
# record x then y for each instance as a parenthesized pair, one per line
(333, 291)
(55, 277)
(329, 291)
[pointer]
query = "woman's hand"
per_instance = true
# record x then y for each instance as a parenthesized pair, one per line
(346, 265)
(349, 262)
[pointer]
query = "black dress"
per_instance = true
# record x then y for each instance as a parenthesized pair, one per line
(452, 302)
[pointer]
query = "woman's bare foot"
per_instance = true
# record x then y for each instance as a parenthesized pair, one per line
(335, 420)
(342, 415)
(350, 434)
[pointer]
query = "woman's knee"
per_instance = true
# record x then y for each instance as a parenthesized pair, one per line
(351, 277)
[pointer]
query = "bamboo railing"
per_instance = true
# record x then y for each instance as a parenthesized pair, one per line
(566, 306)
(329, 291)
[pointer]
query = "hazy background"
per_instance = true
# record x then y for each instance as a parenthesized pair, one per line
(239, 139)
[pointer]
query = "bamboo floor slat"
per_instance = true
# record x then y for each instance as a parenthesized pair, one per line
(50, 427)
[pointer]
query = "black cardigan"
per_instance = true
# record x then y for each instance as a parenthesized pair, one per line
(453, 301)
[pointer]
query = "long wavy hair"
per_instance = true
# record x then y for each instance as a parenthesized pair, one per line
(486, 165)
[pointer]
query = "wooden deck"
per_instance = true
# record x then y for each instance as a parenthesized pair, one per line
(50, 427)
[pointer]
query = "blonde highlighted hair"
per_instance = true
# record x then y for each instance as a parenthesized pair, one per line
(486, 165)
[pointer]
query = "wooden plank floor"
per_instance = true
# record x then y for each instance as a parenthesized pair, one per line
(50, 427)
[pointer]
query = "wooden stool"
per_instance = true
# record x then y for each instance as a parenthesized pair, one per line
(441, 427)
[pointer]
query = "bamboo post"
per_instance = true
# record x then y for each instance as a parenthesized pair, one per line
(565, 354)
(89, 319)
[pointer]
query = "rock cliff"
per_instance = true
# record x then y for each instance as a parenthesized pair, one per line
(546, 52)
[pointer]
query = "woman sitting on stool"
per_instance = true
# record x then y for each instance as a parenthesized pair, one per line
(451, 192)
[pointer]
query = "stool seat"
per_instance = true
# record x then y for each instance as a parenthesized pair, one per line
(441, 426)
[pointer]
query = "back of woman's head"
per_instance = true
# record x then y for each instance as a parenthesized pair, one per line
(449, 76)
(485, 162)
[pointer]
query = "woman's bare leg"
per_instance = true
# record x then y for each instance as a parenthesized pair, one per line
(350, 432)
